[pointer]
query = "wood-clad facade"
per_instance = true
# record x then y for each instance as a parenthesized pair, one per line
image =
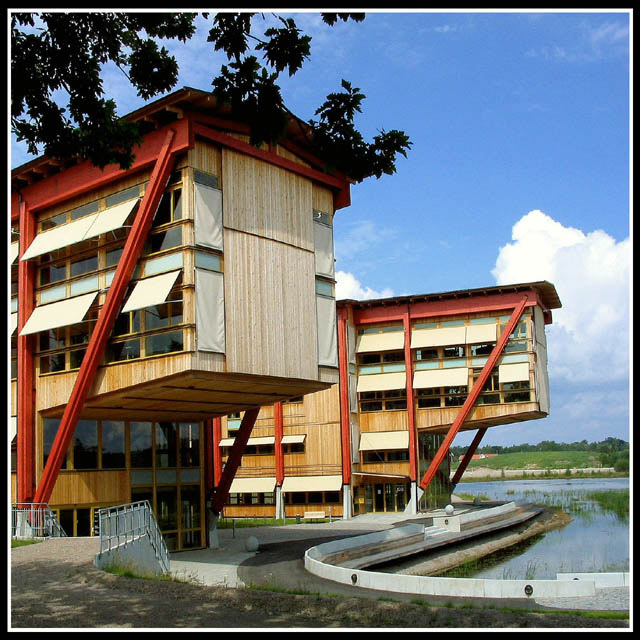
(409, 366)
(219, 314)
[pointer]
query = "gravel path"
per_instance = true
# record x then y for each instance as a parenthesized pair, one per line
(54, 584)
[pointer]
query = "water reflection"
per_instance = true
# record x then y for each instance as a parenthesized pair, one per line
(597, 539)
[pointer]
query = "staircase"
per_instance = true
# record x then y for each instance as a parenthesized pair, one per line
(130, 537)
(34, 520)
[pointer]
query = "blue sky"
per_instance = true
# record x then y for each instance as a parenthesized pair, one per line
(519, 171)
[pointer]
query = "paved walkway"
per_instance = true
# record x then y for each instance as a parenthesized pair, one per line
(279, 562)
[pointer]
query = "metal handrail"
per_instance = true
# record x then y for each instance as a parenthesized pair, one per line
(34, 520)
(123, 524)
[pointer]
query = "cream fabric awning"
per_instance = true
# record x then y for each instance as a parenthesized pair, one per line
(227, 442)
(58, 314)
(79, 230)
(513, 372)
(14, 427)
(383, 440)
(14, 250)
(477, 333)
(151, 291)
(14, 322)
(389, 341)
(431, 378)
(293, 439)
(382, 381)
(445, 336)
(294, 484)
(253, 485)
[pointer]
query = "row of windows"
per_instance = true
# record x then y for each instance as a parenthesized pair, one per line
(453, 355)
(102, 444)
(267, 449)
(454, 396)
(370, 457)
(501, 321)
(297, 497)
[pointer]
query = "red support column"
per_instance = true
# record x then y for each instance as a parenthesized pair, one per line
(343, 371)
(106, 319)
(278, 423)
(411, 410)
(26, 464)
(233, 462)
(217, 452)
(473, 395)
(462, 467)
(207, 426)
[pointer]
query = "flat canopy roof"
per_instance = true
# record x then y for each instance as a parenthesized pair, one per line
(545, 290)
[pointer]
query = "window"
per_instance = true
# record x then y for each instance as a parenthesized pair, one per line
(163, 240)
(164, 343)
(428, 398)
(516, 391)
(141, 444)
(85, 445)
(84, 265)
(170, 208)
(113, 445)
(372, 457)
(482, 349)
(490, 393)
(395, 399)
(455, 396)
(384, 362)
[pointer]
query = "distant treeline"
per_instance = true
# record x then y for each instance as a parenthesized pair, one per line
(613, 451)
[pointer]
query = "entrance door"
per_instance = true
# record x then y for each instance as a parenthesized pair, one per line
(378, 494)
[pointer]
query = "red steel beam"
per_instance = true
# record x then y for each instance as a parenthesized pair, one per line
(343, 376)
(464, 463)
(278, 423)
(217, 452)
(107, 317)
(432, 308)
(26, 477)
(233, 462)
(473, 395)
(411, 410)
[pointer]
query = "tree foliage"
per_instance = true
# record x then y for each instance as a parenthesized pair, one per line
(54, 54)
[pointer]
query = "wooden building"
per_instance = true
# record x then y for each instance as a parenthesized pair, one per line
(176, 339)
(146, 302)
(407, 371)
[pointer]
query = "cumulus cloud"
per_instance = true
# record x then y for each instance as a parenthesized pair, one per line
(348, 287)
(589, 337)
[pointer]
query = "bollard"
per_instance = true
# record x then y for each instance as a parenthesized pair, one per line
(297, 518)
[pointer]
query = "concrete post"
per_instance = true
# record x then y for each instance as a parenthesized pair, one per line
(280, 512)
(347, 506)
(212, 526)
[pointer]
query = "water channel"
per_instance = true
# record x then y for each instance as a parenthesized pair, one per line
(595, 540)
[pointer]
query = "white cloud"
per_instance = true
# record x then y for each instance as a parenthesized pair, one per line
(589, 337)
(348, 287)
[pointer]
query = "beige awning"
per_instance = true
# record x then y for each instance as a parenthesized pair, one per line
(253, 485)
(445, 336)
(382, 381)
(513, 372)
(58, 314)
(293, 439)
(15, 249)
(477, 333)
(293, 484)
(79, 230)
(111, 218)
(151, 291)
(371, 342)
(13, 427)
(432, 378)
(14, 322)
(383, 440)
(228, 442)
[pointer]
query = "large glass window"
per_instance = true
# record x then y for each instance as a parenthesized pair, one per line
(141, 444)
(190, 444)
(166, 444)
(49, 431)
(85, 445)
(113, 445)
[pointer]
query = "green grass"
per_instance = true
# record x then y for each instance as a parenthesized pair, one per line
(612, 501)
(23, 543)
(540, 460)
(242, 523)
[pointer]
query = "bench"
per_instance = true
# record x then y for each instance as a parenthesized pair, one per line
(314, 515)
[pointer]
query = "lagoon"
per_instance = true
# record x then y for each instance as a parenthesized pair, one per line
(595, 540)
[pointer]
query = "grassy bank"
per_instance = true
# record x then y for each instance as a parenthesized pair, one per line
(539, 460)
(545, 475)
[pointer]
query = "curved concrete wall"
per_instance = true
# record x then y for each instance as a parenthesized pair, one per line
(427, 585)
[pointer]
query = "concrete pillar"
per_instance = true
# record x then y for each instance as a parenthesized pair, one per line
(212, 527)
(280, 512)
(415, 493)
(347, 506)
